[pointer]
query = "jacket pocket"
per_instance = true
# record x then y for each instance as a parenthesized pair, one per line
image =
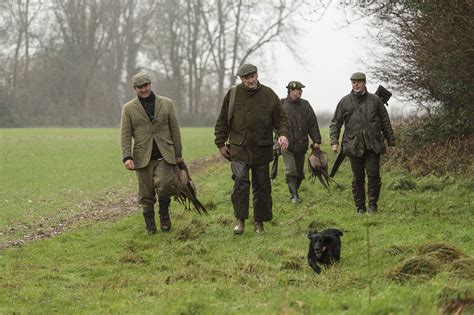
(263, 116)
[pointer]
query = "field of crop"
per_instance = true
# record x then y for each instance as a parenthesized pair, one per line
(200, 267)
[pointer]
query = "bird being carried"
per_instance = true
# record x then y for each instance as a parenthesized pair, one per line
(318, 166)
(185, 191)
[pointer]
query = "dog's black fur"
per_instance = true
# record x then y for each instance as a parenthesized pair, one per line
(324, 248)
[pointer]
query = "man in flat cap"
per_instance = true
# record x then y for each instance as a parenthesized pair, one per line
(366, 123)
(151, 121)
(244, 135)
(302, 123)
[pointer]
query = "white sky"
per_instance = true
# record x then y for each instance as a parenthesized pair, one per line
(331, 53)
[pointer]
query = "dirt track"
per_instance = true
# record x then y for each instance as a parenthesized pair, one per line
(95, 210)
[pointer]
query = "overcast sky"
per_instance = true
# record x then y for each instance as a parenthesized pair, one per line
(331, 53)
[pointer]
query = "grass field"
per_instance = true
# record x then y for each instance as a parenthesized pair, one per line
(200, 267)
(47, 170)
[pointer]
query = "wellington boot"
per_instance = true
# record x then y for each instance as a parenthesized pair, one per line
(150, 224)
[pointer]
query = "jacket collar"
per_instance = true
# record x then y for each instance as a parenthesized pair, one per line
(158, 106)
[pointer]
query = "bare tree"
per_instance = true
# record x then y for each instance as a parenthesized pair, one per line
(240, 34)
(85, 52)
(22, 13)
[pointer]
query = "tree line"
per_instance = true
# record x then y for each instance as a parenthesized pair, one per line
(70, 62)
(429, 59)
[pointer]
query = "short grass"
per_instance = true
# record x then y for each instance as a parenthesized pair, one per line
(200, 267)
(46, 170)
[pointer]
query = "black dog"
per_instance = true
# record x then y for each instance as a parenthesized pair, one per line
(324, 248)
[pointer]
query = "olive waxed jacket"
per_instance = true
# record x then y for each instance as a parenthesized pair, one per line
(256, 114)
(366, 123)
(164, 130)
(302, 122)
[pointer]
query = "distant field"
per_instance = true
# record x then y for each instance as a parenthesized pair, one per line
(45, 170)
(200, 267)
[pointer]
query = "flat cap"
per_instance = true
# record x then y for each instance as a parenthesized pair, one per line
(140, 79)
(246, 69)
(295, 85)
(358, 76)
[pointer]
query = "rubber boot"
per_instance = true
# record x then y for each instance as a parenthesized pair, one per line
(298, 183)
(292, 187)
(358, 192)
(373, 192)
(150, 225)
(165, 221)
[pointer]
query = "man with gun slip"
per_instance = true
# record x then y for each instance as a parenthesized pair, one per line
(366, 123)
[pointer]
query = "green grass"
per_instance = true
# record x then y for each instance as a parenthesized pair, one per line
(200, 267)
(47, 170)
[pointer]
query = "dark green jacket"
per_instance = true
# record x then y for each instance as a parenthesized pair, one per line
(302, 122)
(256, 114)
(366, 123)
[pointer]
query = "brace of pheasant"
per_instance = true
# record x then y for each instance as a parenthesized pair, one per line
(185, 190)
(318, 166)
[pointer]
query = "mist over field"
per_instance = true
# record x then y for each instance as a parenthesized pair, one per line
(69, 63)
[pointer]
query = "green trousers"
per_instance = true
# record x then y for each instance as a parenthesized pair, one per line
(154, 179)
(294, 164)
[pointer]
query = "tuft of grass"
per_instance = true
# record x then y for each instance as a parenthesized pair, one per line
(463, 267)
(292, 263)
(444, 252)
(191, 231)
(431, 259)
(403, 183)
(418, 266)
(396, 250)
(456, 300)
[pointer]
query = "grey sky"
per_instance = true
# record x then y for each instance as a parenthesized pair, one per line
(331, 53)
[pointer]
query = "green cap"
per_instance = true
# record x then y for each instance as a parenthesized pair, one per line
(358, 76)
(140, 79)
(295, 85)
(246, 69)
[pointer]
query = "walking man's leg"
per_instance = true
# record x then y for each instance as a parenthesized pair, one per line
(240, 194)
(358, 183)
(146, 196)
(262, 196)
(374, 182)
(163, 179)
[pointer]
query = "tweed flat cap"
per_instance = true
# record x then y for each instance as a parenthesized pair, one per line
(140, 79)
(246, 69)
(358, 76)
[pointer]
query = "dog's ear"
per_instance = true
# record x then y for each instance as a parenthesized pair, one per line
(311, 233)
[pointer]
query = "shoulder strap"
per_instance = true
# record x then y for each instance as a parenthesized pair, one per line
(230, 111)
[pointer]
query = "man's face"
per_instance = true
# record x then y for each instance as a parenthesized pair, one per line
(250, 80)
(295, 94)
(144, 90)
(358, 86)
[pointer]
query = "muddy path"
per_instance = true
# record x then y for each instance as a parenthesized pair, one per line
(107, 208)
